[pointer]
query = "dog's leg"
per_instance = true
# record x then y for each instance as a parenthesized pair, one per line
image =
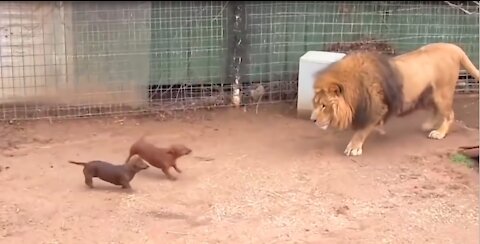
(89, 181)
(167, 173)
(124, 181)
(176, 168)
(126, 185)
(88, 178)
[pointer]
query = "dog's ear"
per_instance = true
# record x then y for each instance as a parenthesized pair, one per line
(172, 151)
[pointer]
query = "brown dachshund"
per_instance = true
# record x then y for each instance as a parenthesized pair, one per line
(162, 158)
(115, 174)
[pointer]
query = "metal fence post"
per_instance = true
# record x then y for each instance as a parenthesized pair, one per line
(238, 49)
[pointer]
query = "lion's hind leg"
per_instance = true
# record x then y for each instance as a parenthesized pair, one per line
(444, 128)
(432, 120)
(444, 103)
(427, 101)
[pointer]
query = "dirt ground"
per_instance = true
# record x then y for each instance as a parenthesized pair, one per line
(252, 178)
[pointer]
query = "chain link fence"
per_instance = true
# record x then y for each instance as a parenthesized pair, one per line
(76, 59)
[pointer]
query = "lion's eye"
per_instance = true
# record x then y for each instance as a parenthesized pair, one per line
(322, 106)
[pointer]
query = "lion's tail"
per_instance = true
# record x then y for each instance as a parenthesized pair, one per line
(468, 65)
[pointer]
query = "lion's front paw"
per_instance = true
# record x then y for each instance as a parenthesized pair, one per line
(353, 151)
(381, 131)
(435, 134)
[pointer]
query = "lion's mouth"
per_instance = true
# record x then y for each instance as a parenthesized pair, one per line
(323, 125)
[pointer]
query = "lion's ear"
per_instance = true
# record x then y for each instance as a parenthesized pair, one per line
(335, 89)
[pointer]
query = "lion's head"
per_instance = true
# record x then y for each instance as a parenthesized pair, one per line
(355, 91)
(330, 108)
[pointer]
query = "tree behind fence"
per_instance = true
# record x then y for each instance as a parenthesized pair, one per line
(68, 59)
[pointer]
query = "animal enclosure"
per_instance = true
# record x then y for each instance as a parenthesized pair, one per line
(250, 178)
(76, 59)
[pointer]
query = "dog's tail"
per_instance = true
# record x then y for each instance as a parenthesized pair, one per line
(140, 140)
(77, 163)
(132, 150)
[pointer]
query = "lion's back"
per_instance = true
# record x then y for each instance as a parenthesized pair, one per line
(429, 64)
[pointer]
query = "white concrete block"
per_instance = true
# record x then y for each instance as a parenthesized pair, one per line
(311, 63)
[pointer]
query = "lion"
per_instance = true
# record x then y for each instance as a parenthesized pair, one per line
(365, 88)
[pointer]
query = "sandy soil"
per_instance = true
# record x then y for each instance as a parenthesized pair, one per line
(266, 178)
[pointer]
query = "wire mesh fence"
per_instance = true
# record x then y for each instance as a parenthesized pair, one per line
(76, 59)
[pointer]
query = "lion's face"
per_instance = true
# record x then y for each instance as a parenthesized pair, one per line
(330, 104)
(322, 110)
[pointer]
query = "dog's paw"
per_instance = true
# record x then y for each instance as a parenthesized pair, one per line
(437, 135)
